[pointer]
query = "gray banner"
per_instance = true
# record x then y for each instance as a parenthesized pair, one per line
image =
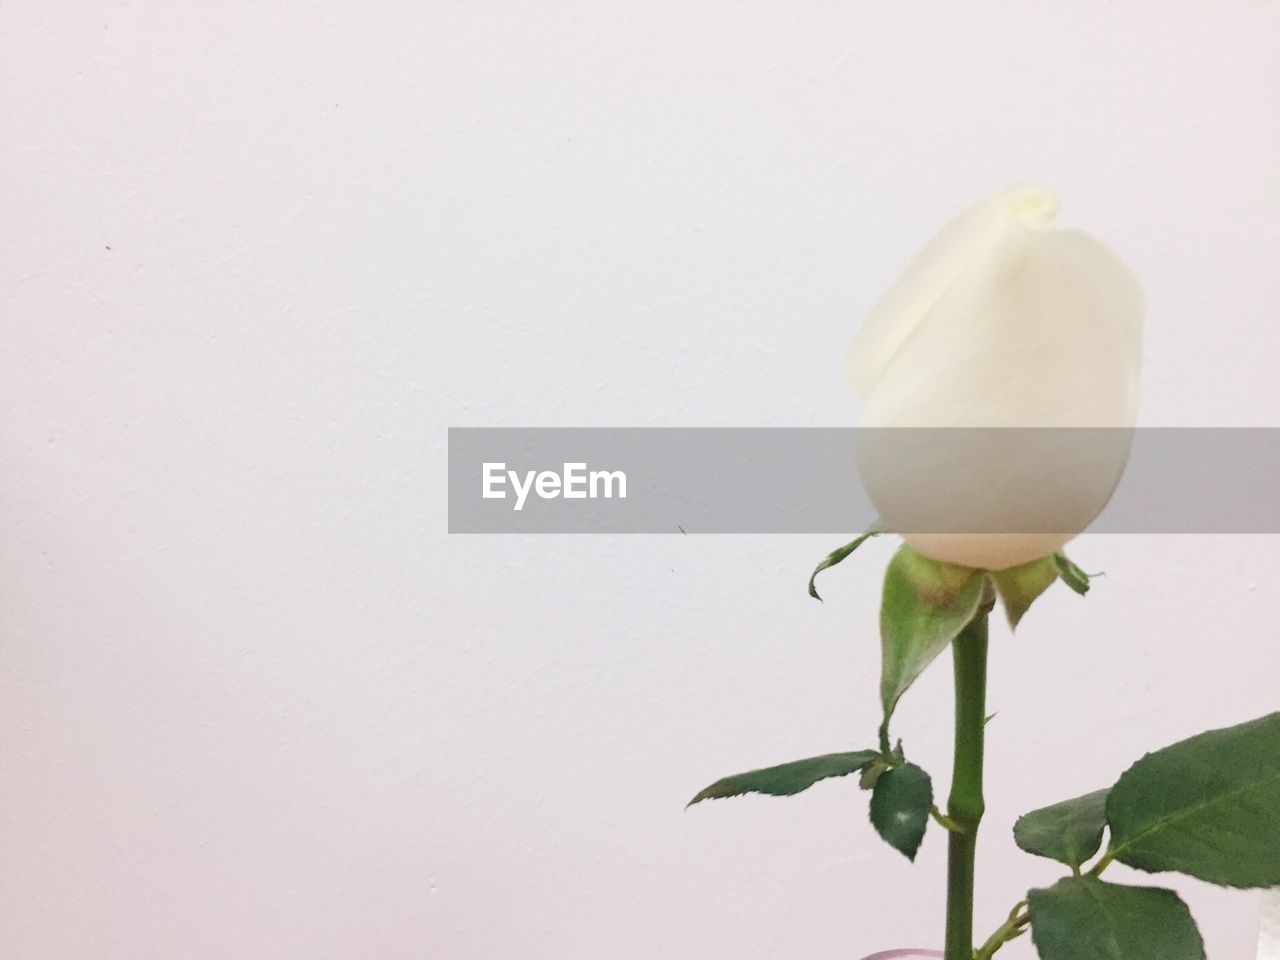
(807, 480)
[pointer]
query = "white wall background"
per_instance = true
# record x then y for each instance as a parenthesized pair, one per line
(254, 702)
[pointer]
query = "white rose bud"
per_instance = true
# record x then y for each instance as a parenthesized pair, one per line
(1001, 321)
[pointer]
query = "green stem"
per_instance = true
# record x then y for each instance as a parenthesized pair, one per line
(965, 806)
(1011, 929)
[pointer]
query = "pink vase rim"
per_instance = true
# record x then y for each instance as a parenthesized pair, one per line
(903, 954)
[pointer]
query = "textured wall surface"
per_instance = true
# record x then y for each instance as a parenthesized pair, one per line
(254, 259)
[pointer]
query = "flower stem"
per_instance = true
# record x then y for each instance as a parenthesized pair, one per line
(965, 806)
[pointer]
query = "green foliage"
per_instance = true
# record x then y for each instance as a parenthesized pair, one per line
(1071, 575)
(1019, 587)
(835, 556)
(1069, 832)
(787, 779)
(1208, 807)
(1082, 918)
(900, 805)
(872, 773)
(925, 605)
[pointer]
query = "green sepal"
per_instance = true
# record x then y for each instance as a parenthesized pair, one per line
(835, 556)
(788, 779)
(1018, 587)
(926, 603)
(900, 805)
(1071, 575)
(1083, 918)
(1069, 832)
